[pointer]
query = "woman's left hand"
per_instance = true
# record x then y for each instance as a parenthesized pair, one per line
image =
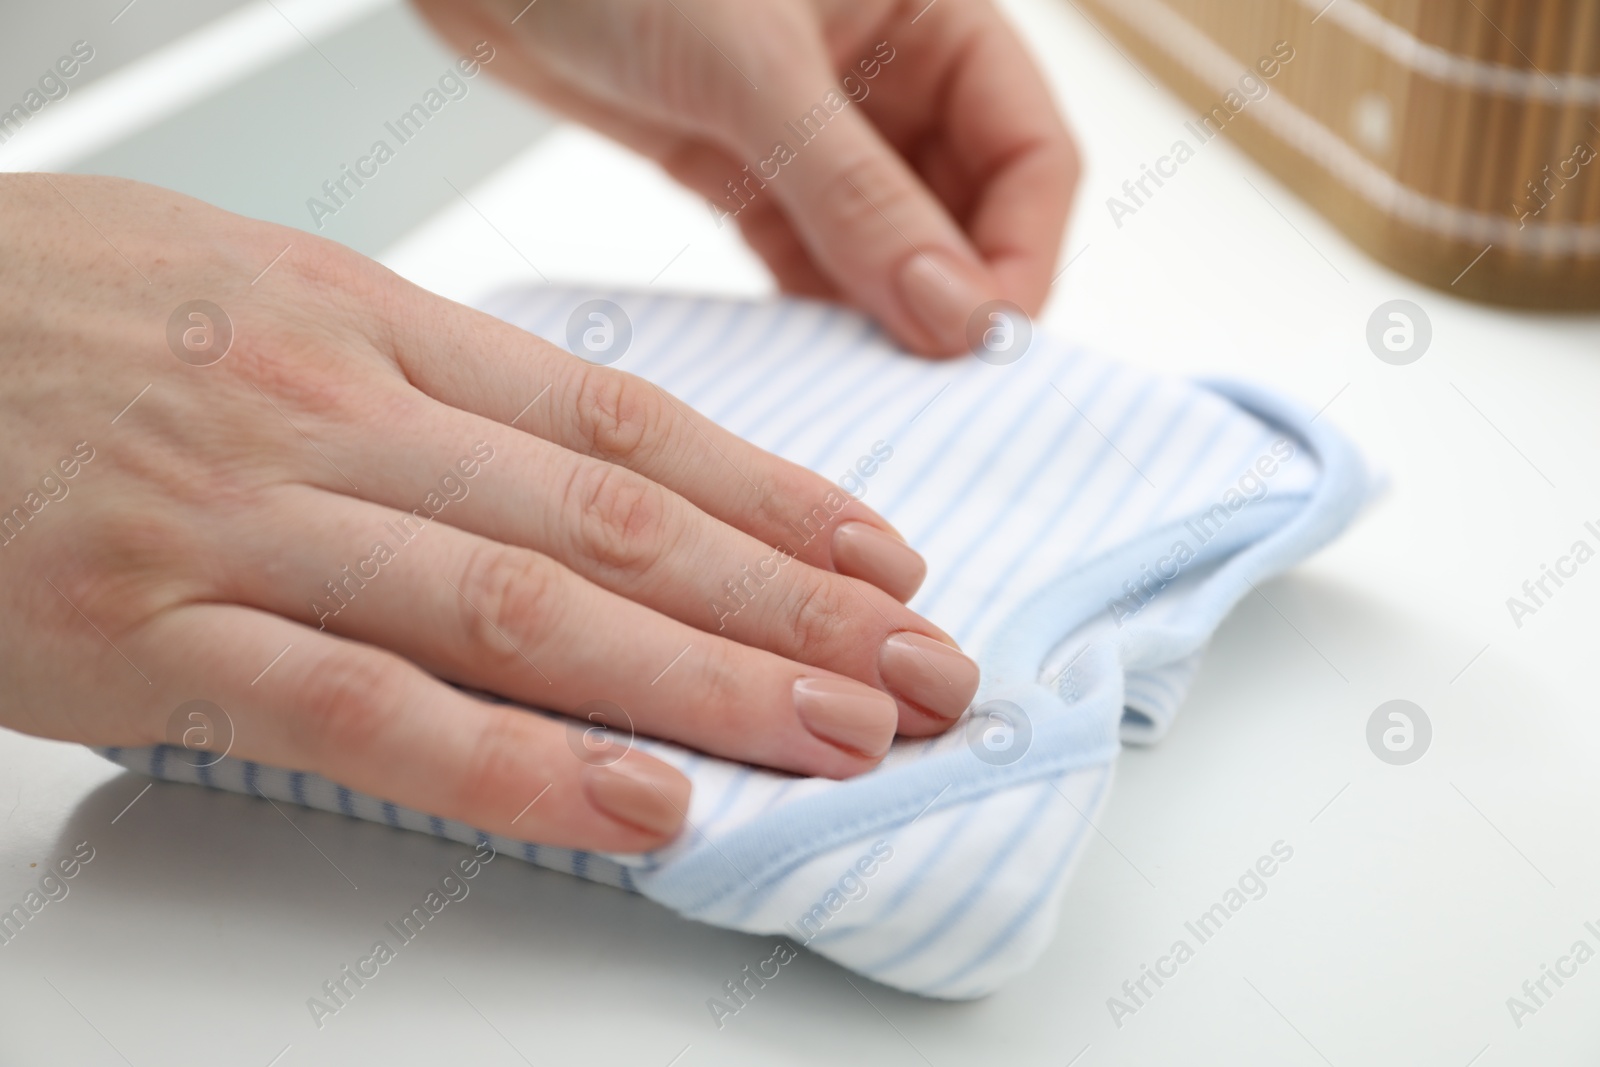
(902, 157)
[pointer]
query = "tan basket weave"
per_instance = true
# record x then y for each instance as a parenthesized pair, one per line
(1455, 140)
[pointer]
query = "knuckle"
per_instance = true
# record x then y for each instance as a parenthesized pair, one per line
(866, 189)
(304, 377)
(725, 725)
(350, 698)
(510, 604)
(324, 355)
(329, 266)
(327, 380)
(819, 616)
(494, 769)
(794, 504)
(618, 415)
(621, 517)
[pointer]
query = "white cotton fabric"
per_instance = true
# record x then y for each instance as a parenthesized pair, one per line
(1036, 490)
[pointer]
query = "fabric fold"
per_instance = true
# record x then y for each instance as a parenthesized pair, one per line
(1087, 527)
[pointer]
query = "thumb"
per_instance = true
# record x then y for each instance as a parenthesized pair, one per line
(868, 221)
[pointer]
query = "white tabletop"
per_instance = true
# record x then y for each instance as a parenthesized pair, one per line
(1419, 898)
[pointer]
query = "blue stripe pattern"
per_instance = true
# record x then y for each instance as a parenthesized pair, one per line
(1050, 497)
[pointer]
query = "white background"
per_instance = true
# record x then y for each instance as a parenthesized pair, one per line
(1419, 897)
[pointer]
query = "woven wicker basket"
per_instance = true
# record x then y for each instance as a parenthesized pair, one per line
(1457, 141)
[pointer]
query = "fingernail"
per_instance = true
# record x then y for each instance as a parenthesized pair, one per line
(643, 793)
(928, 673)
(846, 714)
(866, 552)
(939, 291)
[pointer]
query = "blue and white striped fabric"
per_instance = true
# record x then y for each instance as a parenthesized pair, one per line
(1087, 525)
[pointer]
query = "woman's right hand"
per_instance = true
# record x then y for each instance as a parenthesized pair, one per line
(251, 532)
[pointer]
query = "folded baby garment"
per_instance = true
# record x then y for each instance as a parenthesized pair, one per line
(1087, 526)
